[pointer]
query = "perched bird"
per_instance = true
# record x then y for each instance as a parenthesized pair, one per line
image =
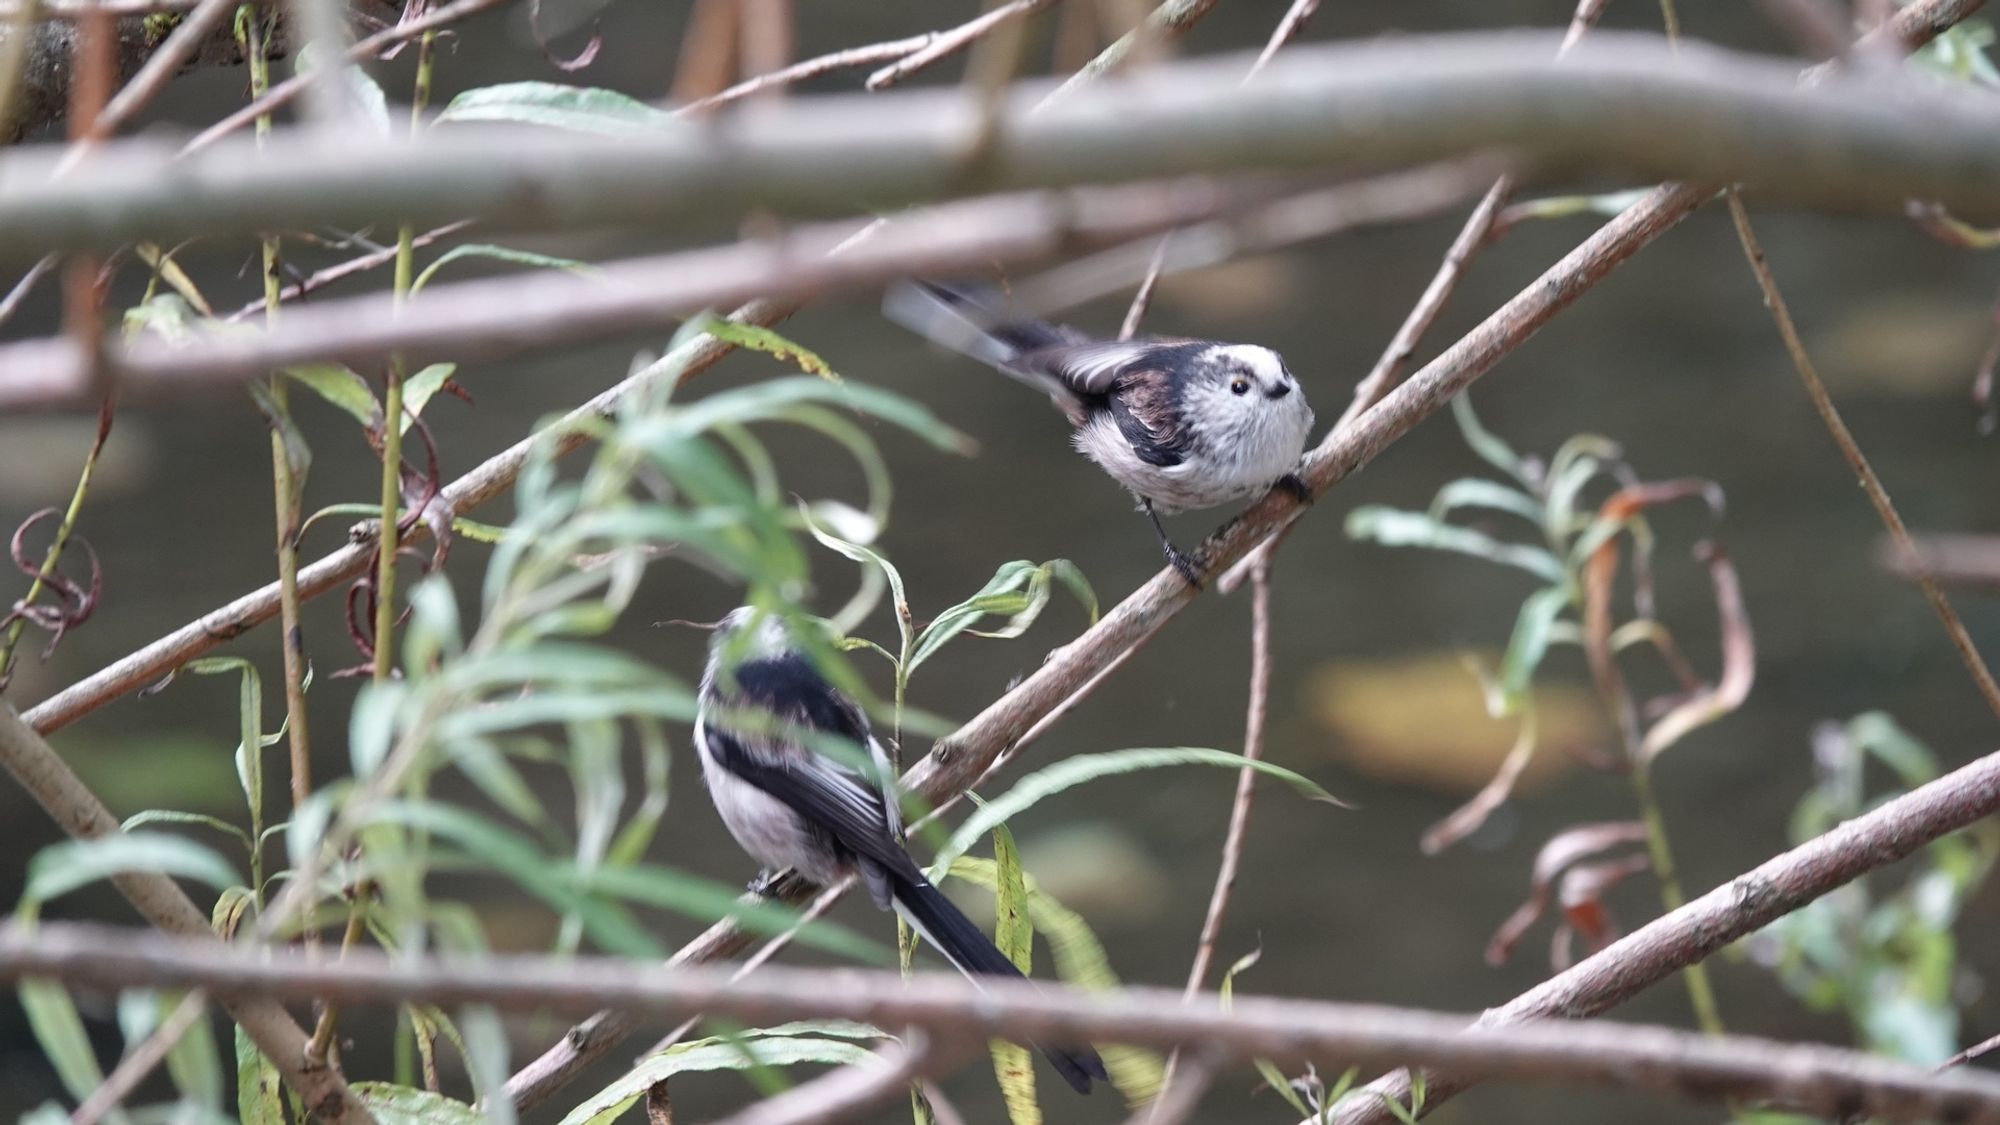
(791, 806)
(1180, 423)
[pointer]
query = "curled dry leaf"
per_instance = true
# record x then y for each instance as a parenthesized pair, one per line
(1469, 816)
(74, 604)
(1739, 661)
(1562, 852)
(1584, 912)
(1600, 572)
(570, 65)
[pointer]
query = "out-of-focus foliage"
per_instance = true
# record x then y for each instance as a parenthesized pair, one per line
(1881, 950)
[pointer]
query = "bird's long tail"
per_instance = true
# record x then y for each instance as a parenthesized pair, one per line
(955, 935)
(974, 323)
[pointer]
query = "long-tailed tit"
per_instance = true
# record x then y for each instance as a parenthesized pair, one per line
(1180, 423)
(791, 806)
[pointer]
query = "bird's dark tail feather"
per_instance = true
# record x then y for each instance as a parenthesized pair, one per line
(955, 935)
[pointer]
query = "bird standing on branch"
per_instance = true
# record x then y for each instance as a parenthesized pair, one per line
(789, 805)
(1181, 423)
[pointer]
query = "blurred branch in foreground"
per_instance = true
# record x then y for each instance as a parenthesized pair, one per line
(958, 1017)
(1709, 115)
(493, 317)
(1952, 560)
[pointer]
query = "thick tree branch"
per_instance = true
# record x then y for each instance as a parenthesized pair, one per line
(1826, 1080)
(1619, 102)
(473, 320)
(161, 902)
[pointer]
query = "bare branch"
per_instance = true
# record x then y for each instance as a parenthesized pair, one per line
(492, 317)
(850, 1091)
(1822, 1079)
(1710, 115)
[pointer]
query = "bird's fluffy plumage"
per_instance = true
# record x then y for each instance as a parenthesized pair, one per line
(1181, 423)
(790, 806)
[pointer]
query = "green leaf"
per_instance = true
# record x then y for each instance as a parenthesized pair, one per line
(1478, 492)
(171, 816)
(363, 91)
(866, 557)
(298, 455)
(258, 1101)
(607, 1104)
(1080, 960)
(760, 339)
(249, 724)
(402, 1105)
(1566, 206)
(1878, 733)
(194, 1064)
(1530, 641)
(63, 867)
(1013, 1065)
(1079, 768)
(583, 109)
(708, 900)
(503, 254)
(1394, 527)
(1490, 447)
(341, 387)
(418, 390)
(58, 1028)
(1018, 589)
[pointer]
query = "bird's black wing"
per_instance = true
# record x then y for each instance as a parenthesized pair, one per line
(1146, 405)
(829, 795)
(1094, 368)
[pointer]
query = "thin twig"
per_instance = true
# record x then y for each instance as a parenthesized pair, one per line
(848, 59)
(374, 259)
(1968, 652)
(1246, 780)
(1679, 1063)
(944, 44)
(400, 32)
(1142, 297)
(140, 1061)
(1970, 1053)
(1179, 1097)
(1254, 716)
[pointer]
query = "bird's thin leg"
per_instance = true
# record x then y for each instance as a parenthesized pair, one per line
(1181, 562)
(765, 882)
(1297, 486)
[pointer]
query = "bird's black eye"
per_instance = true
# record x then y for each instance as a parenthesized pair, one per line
(1239, 385)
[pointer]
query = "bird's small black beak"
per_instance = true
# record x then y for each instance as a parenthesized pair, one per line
(1279, 391)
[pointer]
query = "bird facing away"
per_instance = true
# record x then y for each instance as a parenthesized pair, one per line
(1181, 423)
(790, 806)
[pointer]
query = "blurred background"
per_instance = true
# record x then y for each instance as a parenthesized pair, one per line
(1673, 357)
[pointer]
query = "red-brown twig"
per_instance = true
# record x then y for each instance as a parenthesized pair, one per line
(944, 44)
(1871, 484)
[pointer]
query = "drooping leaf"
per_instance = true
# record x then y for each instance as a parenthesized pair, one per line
(1490, 447)
(341, 387)
(502, 254)
(1478, 492)
(578, 108)
(1014, 934)
(1530, 642)
(63, 867)
(1080, 960)
(1394, 527)
(1739, 664)
(760, 339)
(1562, 852)
(607, 1104)
(59, 1031)
(403, 1105)
(420, 388)
(1079, 768)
